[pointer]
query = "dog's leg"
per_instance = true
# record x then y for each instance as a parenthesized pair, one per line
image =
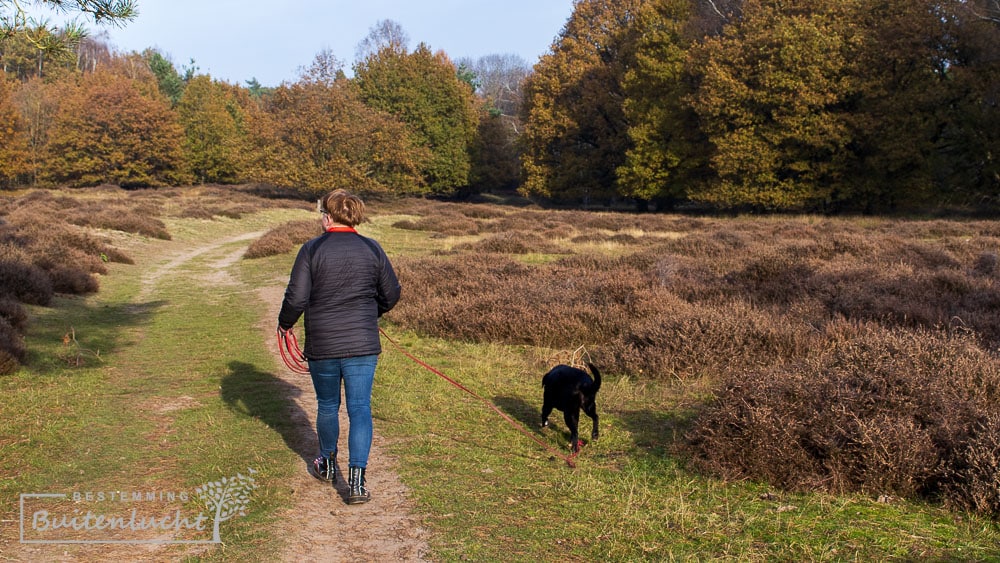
(591, 411)
(572, 418)
(546, 411)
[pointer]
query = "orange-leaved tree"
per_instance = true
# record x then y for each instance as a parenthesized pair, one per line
(13, 139)
(316, 134)
(112, 129)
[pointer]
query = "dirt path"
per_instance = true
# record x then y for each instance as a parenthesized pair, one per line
(318, 525)
(322, 525)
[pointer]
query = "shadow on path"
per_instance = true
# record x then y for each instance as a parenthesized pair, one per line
(265, 396)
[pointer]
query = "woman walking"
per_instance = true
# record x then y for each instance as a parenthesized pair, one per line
(342, 282)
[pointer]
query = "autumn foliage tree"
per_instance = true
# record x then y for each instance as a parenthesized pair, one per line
(316, 134)
(773, 89)
(967, 165)
(422, 90)
(108, 130)
(575, 134)
(666, 151)
(901, 112)
(13, 140)
(214, 135)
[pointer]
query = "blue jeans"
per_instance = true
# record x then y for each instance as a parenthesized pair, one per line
(358, 375)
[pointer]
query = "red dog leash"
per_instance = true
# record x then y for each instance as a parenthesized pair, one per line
(293, 357)
(568, 459)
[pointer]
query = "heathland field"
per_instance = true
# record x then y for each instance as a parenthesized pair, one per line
(783, 387)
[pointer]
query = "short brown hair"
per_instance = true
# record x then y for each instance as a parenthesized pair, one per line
(344, 207)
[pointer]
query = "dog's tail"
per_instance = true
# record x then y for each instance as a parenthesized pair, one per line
(597, 376)
(545, 378)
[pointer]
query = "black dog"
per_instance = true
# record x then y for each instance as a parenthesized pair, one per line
(570, 389)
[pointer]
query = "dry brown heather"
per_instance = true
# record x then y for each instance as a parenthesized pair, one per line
(284, 238)
(846, 354)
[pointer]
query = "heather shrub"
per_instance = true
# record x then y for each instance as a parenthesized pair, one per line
(972, 476)
(479, 211)
(599, 221)
(987, 264)
(72, 281)
(492, 298)
(14, 314)
(876, 410)
(67, 255)
(123, 219)
(561, 231)
(26, 283)
(908, 297)
(12, 351)
(52, 257)
(196, 212)
(920, 255)
(618, 238)
(11, 251)
(774, 278)
(701, 247)
(195, 209)
(284, 238)
(679, 340)
(92, 246)
(11, 341)
(511, 243)
(444, 224)
(521, 221)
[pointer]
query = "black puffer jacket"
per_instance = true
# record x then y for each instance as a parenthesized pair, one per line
(343, 282)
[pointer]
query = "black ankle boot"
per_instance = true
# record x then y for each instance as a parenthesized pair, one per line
(356, 480)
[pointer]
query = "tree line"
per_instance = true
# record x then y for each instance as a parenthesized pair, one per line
(798, 105)
(408, 122)
(820, 105)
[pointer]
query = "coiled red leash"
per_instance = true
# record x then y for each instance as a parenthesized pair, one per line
(520, 427)
(293, 357)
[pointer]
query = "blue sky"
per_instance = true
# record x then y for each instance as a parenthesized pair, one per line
(236, 40)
